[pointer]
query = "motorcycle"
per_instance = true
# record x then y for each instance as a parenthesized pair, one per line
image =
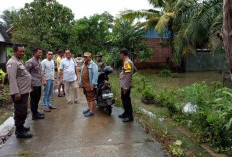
(105, 96)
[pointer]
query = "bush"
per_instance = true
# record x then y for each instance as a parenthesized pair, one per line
(2, 75)
(212, 122)
(148, 93)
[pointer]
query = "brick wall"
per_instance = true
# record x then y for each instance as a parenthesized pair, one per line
(159, 57)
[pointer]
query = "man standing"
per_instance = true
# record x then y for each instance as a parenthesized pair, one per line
(88, 81)
(48, 72)
(58, 61)
(34, 68)
(68, 75)
(80, 62)
(20, 87)
(100, 63)
(126, 84)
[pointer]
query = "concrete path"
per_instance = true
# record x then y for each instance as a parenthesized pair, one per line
(65, 132)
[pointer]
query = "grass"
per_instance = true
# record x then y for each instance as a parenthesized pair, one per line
(6, 105)
(169, 131)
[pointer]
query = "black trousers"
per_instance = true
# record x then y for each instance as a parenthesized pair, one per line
(35, 98)
(20, 110)
(126, 101)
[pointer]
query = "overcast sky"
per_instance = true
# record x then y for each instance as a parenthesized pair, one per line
(83, 8)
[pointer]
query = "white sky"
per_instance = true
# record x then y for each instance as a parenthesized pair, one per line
(83, 8)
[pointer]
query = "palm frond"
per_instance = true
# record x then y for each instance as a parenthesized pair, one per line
(131, 15)
(164, 21)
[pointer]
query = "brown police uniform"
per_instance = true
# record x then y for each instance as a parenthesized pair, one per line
(34, 67)
(126, 83)
(20, 83)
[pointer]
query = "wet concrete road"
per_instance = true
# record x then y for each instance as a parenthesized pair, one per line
(65, 132)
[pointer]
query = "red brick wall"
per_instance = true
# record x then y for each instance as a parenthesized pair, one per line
(159, 57)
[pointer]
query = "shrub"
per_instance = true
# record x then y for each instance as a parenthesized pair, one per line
(2, 75)
(148, 93)
(212, 122)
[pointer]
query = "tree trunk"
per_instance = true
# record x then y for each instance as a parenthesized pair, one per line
(227, 32)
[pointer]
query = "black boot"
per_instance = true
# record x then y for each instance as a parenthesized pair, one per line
(122, 116)
(40, 113)
(37, 116)
(21, 133)
(26, 128)
(128, 119)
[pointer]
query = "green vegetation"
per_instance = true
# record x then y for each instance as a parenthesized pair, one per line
(2, 76)
(6, 107)
(212, 121)
(148, 93)
(190, 23)
(51, 26)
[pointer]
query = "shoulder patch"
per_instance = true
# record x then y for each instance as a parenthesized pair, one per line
(127, 67)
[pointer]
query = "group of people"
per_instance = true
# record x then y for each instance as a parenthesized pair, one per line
(33, 77)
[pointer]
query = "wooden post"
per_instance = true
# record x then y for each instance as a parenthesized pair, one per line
(227, 32)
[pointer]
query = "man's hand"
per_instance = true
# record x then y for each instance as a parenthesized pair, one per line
(92, 87)
(124, 91)
(17, 97)
(45, 83)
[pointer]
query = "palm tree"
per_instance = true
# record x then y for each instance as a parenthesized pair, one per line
(191, 22)
(200, 24)
(163, 16)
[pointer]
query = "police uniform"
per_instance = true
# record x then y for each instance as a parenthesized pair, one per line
(101, 65)
(20, 83)
(126, 83)
(34, 67)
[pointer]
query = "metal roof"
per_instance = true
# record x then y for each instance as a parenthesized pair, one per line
(4, 37)
(153, 34)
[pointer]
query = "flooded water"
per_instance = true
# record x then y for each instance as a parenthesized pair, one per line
(184, 79)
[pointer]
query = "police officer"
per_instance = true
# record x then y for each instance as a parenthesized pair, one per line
(20, 87)
(126, 83)
(33, 66)
(100, 63)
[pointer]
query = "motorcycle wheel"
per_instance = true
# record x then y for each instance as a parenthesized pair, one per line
(108, 110)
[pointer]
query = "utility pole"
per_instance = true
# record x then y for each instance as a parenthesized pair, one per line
(227, 32)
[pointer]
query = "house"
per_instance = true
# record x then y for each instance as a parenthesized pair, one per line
(162, 52)
(201, 60)
(4, 42)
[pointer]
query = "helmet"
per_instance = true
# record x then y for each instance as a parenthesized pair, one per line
(108, 70)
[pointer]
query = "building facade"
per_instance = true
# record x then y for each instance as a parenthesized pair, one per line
(162, 52)
(4, 42)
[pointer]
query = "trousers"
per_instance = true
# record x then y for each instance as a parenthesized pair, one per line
(20, 110)
(71, 91)
(35, 98)
(126, 101)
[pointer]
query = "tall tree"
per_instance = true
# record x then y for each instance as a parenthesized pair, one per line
(163, 16)
(89, 34)
(8, 17)
(44, 23)
(227, 32)
(125, 35)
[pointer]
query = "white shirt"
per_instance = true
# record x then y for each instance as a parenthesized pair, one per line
(48, 69)
(68, 66)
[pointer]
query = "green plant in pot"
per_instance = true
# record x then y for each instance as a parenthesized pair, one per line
(148, 95)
